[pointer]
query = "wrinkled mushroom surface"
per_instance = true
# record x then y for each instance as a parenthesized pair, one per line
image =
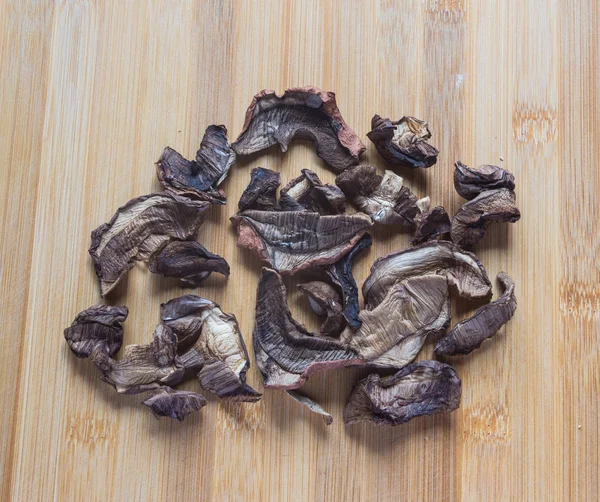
(325, 301)
(469, 183)
(304, 113)
(261, 192)
(311, 405)
(431, 225)
(171, 403)
(308, 192)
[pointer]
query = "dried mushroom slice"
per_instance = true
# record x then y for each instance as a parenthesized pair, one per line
(462, 269)
(188, 261)
(325, 301)
(311, 194)
(469, 334)
(422, 388)
(99, 327)
(261, 193)
(304, 113)
(291, 241)
(138, 230)
(470, 222)
(469, 183)
(171, 403)
(286, 353)
(431, 225)
(311, 405)
(199, 178)
(403, 142)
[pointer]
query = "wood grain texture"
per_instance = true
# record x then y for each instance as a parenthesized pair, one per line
(91, 92)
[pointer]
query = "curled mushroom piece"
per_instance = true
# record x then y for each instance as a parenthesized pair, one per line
(470, 223)
(306, 113)
(422, 388)
(188, 261)
(261, 193)
(469, 334)
(308, 192)
(98, 326)
(311, 405)
(171, 403)
(431, 224)
(403, 142)
(291, 241)
(199, 178)
(325, 301)
(469, 183)
(139, 230)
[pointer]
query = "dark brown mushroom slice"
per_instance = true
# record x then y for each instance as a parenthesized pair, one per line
(422, 388)
(188, 261)
(469, 183)
(311, 194)
(286, 353)
(462, 269)
(471, 221)
(199, 178)
(469, 334)
(360, 180)
(175, 404)
(97, 326)
(261, 193)
(403, 142)
(311, 405)
(139, 230)
(290, 241)
(431, 224)
(325, 301)
(304, 113)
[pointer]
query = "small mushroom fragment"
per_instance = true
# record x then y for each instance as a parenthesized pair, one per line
(422, 388)
(311, 194)
(99, 327)
(462, 269)
(139, 230)
(469, 334)
(189, 261)
(199, 178)
(469, 183)
(261, 193)
(311, 405)
(403, 142)
(325, 301)
(431, 224)
(291, 241)
(305, 113)
(171, 403)
(470, 222)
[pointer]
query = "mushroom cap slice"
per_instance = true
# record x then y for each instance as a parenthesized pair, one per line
(261, 192)
(325, 301)
(431, 224)
(308, 192)
(469, 183)
(171, 403)
(311, 405)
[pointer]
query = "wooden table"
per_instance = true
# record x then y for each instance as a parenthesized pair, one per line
(91, 92)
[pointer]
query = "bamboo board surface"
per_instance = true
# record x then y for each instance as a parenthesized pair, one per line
(91, 92)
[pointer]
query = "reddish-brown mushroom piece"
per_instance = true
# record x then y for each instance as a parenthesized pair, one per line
(261, 192)
(469, 182)
(431, 224)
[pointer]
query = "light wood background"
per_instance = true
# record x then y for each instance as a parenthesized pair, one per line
(91, 92)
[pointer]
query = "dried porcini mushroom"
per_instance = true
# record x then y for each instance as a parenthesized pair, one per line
(462, 269)
(311, 405)
(261, 193)
(291, 241)
(470, 222)
(325, 301)
(469, 183)
(199, 178)
(422, 388)
(403, 142)
(469, 334)
(311, 194)
(98, 326)
(305, 113)
(286, 353)
(431, 224)
(218, 353)
(171, 403)
(138, 230)
(188, 261)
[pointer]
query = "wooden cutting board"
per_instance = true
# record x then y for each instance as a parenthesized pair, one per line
(91, 92)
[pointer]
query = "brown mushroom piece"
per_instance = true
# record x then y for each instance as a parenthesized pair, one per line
(171, 403)
(304, 113)
(469, 334)
(311, 405)
(261, 192)
(98, 326)
(199, 178)
(462, 270)
(218, 353)
(325, 301)
(471, 221)
(403, 142)
(422, 388)
(308, 192)
(188, 261)
(431, 224)
(469, 183)
(139, 230)
(290, 241)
